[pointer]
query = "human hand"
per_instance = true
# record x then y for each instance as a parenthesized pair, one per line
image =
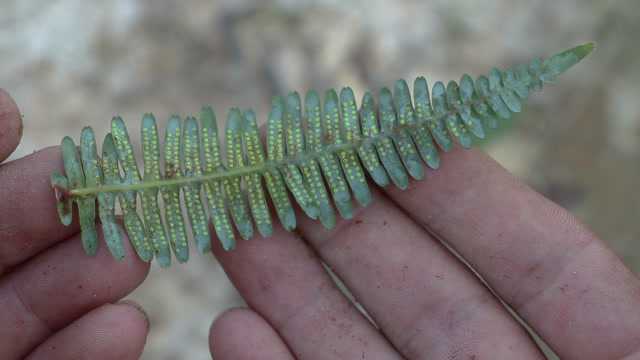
(56, 302)
(559, 277)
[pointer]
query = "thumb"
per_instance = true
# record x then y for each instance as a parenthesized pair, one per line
(10, 125)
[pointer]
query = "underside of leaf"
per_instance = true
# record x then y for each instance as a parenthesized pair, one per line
(318, 154)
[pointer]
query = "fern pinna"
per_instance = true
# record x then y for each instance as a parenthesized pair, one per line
(316, 154)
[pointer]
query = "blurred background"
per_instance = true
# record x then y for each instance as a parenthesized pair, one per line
(71, 63)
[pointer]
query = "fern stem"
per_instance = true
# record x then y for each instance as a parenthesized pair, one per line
(272, 165)
(228, 173)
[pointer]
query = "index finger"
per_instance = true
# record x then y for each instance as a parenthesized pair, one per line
(29, 221)
(556, 274)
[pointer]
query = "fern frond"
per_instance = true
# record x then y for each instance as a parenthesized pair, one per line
(318, 153)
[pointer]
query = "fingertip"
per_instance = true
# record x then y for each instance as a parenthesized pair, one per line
(229, 320)
(240, 334)
(10, 125)
(226, 324)
(140, 317)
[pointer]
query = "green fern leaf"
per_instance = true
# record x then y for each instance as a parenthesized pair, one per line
(319, 154)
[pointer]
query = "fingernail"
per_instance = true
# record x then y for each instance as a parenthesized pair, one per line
(138, 307)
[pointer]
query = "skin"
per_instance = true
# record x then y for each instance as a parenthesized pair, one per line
(57, 303)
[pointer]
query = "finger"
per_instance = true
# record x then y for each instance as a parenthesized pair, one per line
(564, 281)
(28, 218)
(241, 334)
(426, 302)
(10, 125)
(108, 332)
(283, 281)
(58, 286)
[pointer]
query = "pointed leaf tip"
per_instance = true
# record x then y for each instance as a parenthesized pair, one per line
(580, 51)
(559, 63)
(584, 50)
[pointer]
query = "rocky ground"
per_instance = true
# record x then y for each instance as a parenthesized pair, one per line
(71, 63)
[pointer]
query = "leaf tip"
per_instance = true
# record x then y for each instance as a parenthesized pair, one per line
(583, 50)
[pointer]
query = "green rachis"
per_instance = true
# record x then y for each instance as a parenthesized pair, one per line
(316, 151)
